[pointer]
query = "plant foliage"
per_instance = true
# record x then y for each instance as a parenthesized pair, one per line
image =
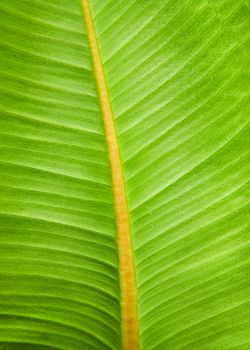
(177, 80)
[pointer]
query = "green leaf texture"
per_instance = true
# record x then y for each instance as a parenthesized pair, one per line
(178, 80)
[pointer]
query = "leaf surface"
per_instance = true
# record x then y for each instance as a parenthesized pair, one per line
(177, 78)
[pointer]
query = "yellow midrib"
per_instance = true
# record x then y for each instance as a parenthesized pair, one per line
(129, 327)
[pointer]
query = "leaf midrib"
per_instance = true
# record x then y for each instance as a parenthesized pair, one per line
(129, 319)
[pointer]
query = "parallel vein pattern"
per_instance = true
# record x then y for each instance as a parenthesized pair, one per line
(177, 73)
(59, 284)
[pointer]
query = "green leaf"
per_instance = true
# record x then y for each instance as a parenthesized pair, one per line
(177, 76)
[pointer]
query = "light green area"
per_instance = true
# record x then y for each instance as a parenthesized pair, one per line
(178, 76)
(59, 285)
(178, 80)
